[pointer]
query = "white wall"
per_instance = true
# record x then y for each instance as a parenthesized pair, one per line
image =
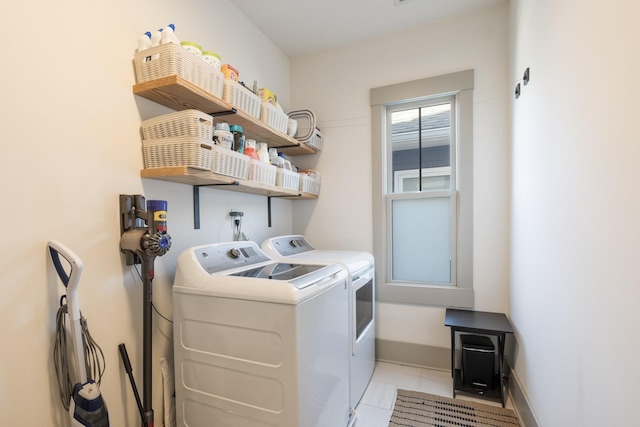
(336, 84)
(70, 145)
(575, 233)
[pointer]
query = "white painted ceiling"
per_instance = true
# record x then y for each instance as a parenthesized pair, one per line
(301, 27)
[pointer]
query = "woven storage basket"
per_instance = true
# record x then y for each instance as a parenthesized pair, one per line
(170, 59)
(287, 179)
(241, 98)
(184, 151)
(181, 123)
(309, 184)
(272, 116)
(262, 172)
(307, 131)
(315, 140)
(230, 163)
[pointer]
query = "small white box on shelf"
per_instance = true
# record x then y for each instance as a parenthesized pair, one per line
(287, 179)
(309, 184)
(187, 151)
(242, 98)
(181, 123)
(230, 163)
(262, 172)
(272, 116)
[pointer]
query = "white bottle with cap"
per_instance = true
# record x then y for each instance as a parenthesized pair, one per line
(168, 35)
(263, 152)
(275, 159)
(156, 37)
(144, 42)
(222, 136)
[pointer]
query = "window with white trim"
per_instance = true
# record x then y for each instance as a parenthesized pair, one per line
(423, 177)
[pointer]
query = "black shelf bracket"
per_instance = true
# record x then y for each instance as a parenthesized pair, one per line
(224, 113)
(269, 206)
(196, 201)
(288, 146)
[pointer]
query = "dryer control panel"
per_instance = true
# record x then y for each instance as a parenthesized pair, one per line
(291, 245)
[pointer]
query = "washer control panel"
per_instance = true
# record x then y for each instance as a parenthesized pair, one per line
(225, 256)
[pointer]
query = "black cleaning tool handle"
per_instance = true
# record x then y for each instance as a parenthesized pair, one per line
(127, 367)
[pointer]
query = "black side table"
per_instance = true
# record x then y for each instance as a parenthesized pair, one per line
(482, 323)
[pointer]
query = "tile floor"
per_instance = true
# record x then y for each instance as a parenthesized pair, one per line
(376, 405)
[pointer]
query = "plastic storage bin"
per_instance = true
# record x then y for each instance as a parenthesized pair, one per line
(181, 123)
(309, 184)
(478, 359)
(262, 172)
(183, 151)
(307, 131)
(229, 162)
(241, 98)
(170, 59)
(272, 116)
(287, 179)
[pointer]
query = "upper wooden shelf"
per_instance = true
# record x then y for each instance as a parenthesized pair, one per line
(197, 177)
(179, 94)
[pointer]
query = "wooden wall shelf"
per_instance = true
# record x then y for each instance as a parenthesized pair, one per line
(179, 94)
(202, 178)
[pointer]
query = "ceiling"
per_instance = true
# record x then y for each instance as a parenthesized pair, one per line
(300, 27)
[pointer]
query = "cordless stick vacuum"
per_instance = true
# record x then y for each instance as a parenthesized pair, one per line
(144, 237)
(86, 405)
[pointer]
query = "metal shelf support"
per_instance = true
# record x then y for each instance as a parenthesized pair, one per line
(269, 207)
(196, 201)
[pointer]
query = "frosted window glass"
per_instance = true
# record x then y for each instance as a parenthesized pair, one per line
(421, 242)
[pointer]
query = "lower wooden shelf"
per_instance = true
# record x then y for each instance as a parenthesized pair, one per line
(198, 177)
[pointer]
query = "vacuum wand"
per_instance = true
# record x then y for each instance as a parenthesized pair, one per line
(142, 244)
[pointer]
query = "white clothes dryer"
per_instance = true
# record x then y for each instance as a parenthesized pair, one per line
(361, 267)
(259, 343)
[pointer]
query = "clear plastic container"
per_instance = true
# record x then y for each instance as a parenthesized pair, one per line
(238, 138)
(250, 149)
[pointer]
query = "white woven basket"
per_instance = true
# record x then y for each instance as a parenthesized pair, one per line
(230, 163)
(184, 151)
(181, 123)
(272, 116)
(307, 131)
(262, 172)
(241, 98)
(309, 184)
(287, 179)
(315, 140)
(170, 59)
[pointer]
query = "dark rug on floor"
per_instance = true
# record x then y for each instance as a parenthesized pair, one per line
(417, 409)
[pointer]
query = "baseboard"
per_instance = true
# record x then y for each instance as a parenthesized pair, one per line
(519, 399)
(413, 354)
(432, 357)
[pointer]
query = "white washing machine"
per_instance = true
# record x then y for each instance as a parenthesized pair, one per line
(361, 267)
(259, 343)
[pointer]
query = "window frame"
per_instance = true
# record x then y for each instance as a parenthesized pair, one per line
(460, 85)
(400, 175)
